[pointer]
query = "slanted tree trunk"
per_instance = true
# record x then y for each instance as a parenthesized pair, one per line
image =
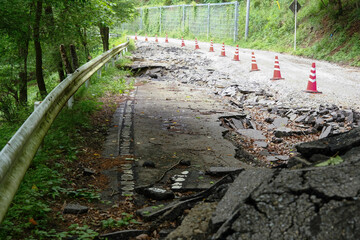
(38, 50)
(104, 32)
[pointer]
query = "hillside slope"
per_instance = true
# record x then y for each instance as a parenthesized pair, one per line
(323, 31)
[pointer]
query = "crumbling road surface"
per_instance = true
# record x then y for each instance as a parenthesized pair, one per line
(179, 123)
(203, 133)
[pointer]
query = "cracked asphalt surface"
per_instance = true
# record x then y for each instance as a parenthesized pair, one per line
(312, 203)
(175, 123)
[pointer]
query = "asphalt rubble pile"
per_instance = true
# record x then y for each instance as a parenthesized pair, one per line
(264, 129)
(310, 191)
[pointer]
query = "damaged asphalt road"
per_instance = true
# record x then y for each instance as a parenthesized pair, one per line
(310, 203)
(185, 112)
(174, 123)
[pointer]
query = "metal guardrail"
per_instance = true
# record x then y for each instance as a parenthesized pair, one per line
(16, 156)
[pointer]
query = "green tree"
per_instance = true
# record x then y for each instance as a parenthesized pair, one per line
(15, 29)
(38, 7)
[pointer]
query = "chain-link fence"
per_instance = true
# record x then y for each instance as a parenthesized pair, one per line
(219, 20)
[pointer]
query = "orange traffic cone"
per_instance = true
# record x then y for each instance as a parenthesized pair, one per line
(156, 39)
(236, 56)
(182, 42)
(146, 38)
(223, 51)
(166, 39)
(211, 46)
(311, 87)
(135, 36)
(196, 44)
(277, 74)
(254, 66)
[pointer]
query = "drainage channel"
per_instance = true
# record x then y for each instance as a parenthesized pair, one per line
(119, 146)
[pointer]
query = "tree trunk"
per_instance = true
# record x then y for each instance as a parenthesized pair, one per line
(104, 32)
(65, 59)
(74, 57)
(83, 39)
(56, 55)
(340, 7)
(60, 69)
(38, 51)
(24, 52)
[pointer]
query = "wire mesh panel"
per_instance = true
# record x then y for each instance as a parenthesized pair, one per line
(222, 21)
(217, 20)
(197, 20)
(171, 19)
(151, 17)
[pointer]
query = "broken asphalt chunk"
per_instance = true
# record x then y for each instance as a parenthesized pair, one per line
(119, 235)
(158, 193)
(331, 145)
(252, 133)
(283, 132)
(75, 209)
(218, 171)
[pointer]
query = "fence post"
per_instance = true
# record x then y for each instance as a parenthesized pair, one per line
(70, 102)
(236, 20)
(160, 20)
(247, 19)
(208, 21)
(141, 19)
(183, 19)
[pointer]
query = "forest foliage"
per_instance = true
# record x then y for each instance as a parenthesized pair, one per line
(326, 29)
(30, 34)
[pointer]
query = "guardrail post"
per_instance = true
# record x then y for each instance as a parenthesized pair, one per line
(99, 73)
(87, 83)
(236, 21)
(70, 102)
(36, 104)
(113, 62)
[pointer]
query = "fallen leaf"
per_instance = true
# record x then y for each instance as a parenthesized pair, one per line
(32, 221)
